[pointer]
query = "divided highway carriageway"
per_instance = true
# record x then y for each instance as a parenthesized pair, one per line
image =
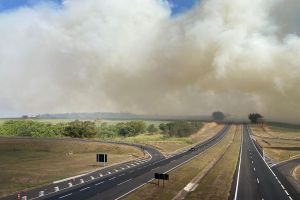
(255, 179)
(124, 180)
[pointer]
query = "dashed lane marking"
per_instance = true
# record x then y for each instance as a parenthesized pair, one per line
(65, 196)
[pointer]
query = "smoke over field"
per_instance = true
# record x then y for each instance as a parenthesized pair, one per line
(238, 56)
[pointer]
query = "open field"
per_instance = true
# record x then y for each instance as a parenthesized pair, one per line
(169, 145)
(296, 173)
(27, 163)
(98, 122)
(278, 143)
(181, 176)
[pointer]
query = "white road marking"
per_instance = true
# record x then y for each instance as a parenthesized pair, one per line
(112, 178)
(109, 172)
(65, 196)
(154, 168)
(263, 158)
(257, 180)
(120, 197)
(238, 176)
(286, 192)
(84, 189)
(99, 183)
(125, 181)
(254, 168)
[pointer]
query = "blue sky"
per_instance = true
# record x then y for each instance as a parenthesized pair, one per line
(178, 6)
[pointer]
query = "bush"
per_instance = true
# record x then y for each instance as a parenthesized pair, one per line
(180, 128)
(80, 129)
(31, 129)
(152, 129)
(131, 128)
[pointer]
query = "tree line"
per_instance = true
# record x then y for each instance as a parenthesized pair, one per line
(89, 129)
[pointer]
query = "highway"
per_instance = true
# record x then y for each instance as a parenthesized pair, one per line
(255, 179)
(118, 184)
(82, 180)
(284, 172)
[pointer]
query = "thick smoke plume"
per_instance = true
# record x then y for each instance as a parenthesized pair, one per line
(238, 56)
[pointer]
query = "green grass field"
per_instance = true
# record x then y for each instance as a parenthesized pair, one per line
(29, 163)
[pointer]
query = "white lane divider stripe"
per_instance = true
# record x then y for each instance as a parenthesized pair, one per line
(99, 183)
(84, 189)
(112, 178)
(65, 196)
(257, 180)
(125, 181)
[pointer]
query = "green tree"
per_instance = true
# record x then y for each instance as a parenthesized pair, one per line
(219, 116)
(81, 129)
(255, 117)
(152, 129)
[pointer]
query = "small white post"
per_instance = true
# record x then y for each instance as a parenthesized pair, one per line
(56, 189)
(41, 193)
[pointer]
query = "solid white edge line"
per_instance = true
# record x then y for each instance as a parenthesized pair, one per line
(120, 197)
(250, 131)
(238, 177)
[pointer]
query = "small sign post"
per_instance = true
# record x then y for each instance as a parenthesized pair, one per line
(161, 176)
(101, 157)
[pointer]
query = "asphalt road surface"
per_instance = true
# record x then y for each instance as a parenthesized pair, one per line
(153, 155)
(255, 179)
(118, 184)
(284, 172)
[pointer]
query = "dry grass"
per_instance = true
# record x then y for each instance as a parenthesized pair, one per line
(181, 176)
(296, 173)
(34, 162)
(171, 145)
(217, 183)
(278, 144)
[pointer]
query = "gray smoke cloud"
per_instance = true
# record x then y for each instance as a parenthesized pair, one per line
(238, 56)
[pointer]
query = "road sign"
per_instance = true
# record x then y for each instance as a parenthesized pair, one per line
(161, 176)
(101, 157)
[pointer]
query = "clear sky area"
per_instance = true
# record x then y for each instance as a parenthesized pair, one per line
(178, 6)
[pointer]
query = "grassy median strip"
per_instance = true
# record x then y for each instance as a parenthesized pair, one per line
(27, 163)
(217, 183)
(181, 176)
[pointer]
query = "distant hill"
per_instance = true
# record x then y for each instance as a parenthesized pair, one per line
(118, 116)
